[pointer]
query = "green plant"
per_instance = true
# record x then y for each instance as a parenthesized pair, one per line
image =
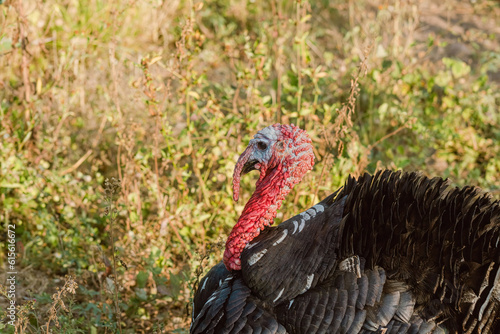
(164, 95)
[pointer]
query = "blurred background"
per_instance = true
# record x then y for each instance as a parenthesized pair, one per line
(159, 98)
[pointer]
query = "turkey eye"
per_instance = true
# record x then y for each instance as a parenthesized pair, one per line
(261, 145)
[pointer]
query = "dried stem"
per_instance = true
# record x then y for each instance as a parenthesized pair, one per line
(344, 120)
(111, 189)
(23, 34)
(299, 58)
(57, 301)
(77, 164)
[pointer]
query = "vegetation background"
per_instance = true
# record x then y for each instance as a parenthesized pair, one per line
(160, 97)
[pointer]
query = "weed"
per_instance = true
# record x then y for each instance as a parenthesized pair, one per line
(164, 95)
(70, 286)
(111, 191)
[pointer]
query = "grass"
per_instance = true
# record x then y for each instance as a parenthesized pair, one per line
(121, 122)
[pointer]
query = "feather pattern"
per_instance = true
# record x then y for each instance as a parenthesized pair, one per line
(422, 248)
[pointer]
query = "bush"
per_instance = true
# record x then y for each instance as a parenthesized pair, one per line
(164, 95)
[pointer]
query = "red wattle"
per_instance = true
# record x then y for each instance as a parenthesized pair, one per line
(277, 178)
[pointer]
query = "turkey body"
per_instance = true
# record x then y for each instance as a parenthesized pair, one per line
(390, 253)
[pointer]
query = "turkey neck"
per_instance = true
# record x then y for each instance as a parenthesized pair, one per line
(258, 213)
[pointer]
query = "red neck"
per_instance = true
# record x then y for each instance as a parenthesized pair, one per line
(258, 213)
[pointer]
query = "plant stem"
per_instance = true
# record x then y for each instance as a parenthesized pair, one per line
(114, 213)
(299, 56)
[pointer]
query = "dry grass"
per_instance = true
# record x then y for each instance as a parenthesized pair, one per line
(70, 286)
(164, 95)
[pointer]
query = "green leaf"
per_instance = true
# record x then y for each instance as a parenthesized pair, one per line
(142, 278)
(141, 294)
(458, 67)
(443, 78)
(5, 45)
(10, 185)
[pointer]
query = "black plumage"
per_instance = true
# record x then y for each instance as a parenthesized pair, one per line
(390, 253)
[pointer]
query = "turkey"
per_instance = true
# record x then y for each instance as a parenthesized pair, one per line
(390, 253)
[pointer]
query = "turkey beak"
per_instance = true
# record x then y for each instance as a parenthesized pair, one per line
(243, 166)
(249, 166)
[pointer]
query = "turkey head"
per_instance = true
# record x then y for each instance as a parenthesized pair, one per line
(282, 154)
